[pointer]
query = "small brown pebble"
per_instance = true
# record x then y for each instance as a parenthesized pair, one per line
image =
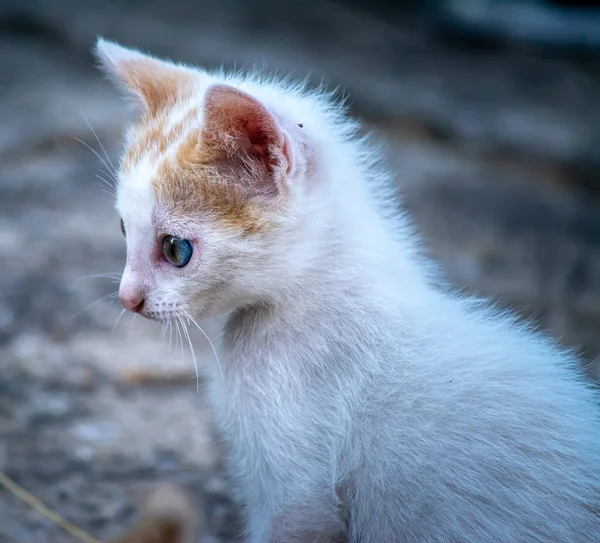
(169, 516)
(146, 377)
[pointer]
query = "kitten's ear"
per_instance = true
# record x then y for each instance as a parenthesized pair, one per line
(241, 125)
(155, 83)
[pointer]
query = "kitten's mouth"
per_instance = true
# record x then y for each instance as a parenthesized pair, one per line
(159, 316)
(163, 316)
(163, 312)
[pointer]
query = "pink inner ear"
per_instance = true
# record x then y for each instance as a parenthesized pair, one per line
(244, 125)
(259, 138)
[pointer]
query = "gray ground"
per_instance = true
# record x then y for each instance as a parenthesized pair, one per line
(497, 153)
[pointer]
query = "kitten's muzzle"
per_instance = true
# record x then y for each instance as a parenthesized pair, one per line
(133, 301)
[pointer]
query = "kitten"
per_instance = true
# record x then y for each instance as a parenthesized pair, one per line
(361, 401)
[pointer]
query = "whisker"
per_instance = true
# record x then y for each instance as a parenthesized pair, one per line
(108, 187)
(114, 276)
(93, 151)
(103, 178)
(110, 174)
(182, 353)
(131, 326)
(110, 181)
(112, 295)
(109, 193)
(209, 341)
(187, 334)
(179, 334)
(118, 319)
(170, 335)
(111, 188)
(99, 142)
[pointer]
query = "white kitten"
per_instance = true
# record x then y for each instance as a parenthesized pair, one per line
(361, 401)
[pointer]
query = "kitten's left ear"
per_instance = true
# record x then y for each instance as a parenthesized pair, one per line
(242, 126)
(155, 83)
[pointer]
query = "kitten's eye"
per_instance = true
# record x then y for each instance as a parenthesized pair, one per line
(123, 228)
(177, 251)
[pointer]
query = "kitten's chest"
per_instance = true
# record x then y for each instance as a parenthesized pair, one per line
(273, 433)
(258, 415)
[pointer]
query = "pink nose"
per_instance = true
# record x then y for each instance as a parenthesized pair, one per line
(132, 301)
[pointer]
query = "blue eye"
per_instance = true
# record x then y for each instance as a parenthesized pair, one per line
(177, 251)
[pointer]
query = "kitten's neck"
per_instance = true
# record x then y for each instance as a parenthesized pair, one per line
(353, 272)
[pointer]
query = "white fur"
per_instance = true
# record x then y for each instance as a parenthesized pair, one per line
(362, 400)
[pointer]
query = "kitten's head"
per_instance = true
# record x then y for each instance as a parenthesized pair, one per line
(211, 189)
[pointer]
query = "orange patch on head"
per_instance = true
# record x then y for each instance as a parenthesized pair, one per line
(202, 179)
(152, 137)
(152, 140)
(231, 168)
(206, 174)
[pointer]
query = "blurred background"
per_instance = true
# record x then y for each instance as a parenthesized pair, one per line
(488, 111)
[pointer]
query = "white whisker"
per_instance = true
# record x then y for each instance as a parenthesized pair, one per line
(170, 335)
(107, 176)
(179, 334)
(209, 341)
(182, 338)
(93, 151)
(113, 276)
(109, 193)
(110, 175)
(93, 304)
(99, 142)
(187, 334)
(111, 188)
(132, 323)
(123, 311)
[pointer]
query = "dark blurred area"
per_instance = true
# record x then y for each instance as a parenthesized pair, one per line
(487, 111)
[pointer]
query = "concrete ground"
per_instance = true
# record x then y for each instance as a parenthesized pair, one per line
(496, 151)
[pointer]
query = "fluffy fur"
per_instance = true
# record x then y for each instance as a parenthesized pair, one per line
(361, 400)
